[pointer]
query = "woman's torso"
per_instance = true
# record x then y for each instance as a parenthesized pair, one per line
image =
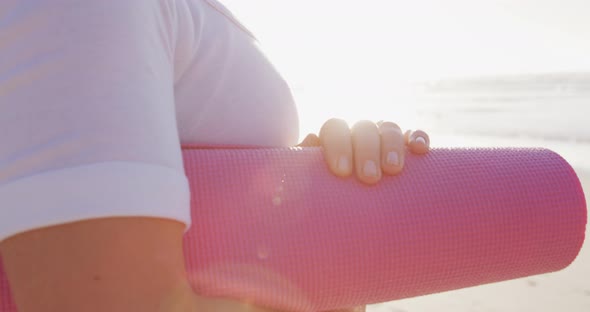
(226, 90)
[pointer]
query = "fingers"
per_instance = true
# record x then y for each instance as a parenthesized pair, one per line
(335, 137)
(418, 141)
(368, 149)
(366, 144)
(392, 148)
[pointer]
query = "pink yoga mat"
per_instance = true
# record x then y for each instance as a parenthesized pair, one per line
(274, 228)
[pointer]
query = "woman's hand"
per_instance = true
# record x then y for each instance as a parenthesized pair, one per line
(368, 149)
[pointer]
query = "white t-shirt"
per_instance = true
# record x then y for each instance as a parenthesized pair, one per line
(96, 98)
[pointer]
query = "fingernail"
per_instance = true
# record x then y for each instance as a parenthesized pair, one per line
(370, 169)
(393, 158)
(420, 140)
(343, 164)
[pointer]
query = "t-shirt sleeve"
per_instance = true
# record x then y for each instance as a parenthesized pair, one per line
(87, 116)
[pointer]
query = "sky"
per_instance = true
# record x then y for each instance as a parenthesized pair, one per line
(357, 54)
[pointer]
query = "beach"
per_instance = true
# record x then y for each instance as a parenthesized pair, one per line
(550, 111)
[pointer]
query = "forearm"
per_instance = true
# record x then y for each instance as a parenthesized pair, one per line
(114, 264)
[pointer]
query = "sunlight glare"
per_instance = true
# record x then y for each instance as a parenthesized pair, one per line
(356, 60)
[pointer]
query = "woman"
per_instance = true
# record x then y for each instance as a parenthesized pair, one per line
(96, 98)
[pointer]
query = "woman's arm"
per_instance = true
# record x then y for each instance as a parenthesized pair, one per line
(92, 188)
(111, 264)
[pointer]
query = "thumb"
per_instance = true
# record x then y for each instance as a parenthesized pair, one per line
(310, 140)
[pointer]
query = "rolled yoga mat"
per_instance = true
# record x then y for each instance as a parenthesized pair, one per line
(275, 228)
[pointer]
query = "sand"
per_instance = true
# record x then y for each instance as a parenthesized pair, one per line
(567, 290)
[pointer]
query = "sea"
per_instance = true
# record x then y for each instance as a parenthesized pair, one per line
(548, 110)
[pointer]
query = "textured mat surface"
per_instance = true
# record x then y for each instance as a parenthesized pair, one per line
(275, 228)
